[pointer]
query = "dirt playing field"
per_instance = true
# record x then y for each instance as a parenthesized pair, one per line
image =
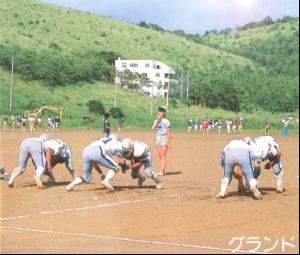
(184, 217)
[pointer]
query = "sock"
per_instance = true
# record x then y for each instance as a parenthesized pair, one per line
(110, 174)
(17, 171)
(76, 181)
(224, 186)
(279, 179)
(39, 171)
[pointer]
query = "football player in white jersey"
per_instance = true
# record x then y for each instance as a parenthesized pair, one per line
(270, 151)
(102, 152)
(139, 154)
(247, 157)
(58, 152)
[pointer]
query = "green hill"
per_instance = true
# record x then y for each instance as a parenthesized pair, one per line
(65, 57)
(274, 46)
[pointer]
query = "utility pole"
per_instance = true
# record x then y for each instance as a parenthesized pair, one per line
(116, 92)
(168, 95)
(11, 82)
(187, 84)
(181, 78)
(151, 108)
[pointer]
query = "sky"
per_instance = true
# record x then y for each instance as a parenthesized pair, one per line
(191, 16)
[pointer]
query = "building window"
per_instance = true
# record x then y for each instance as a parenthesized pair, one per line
(134, 65)
(166, 85)
(124, 65)
(147, 65)
(167, 75)
(157, 66)
(157, 75)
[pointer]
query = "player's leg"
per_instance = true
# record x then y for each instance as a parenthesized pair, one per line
(279, 175)
(248, 170)
(37, 154)
(228, 164)
(113, 168)
(69, 163)
(150, 174)
(135, 174)
(87, 156)
(23, 158)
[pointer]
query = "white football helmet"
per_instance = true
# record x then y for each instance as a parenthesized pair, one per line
(127, 146)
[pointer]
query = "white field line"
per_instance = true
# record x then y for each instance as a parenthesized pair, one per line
(125, 239)
(91, 207)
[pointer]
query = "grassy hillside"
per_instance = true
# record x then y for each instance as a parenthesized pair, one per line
(59, 45)
(273, 46)
(73, 32)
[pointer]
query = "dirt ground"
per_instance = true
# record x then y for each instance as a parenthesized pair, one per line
(184, 217)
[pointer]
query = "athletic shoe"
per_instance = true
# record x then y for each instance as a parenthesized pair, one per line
(70, 187)
(10, 184)
(256, 193)
(159, 185)
(107, 185)
(280, 190)
(38, 181)
(160, 174)
(140, 181)
(221, 195)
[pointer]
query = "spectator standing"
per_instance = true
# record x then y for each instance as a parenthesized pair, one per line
(267, 126)
(106, 125)
(163, 135)
(121, 120)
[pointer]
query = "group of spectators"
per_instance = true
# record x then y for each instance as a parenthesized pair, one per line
(205, 125)
(20, 123)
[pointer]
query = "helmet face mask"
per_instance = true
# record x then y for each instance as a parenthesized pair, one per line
(127, 146)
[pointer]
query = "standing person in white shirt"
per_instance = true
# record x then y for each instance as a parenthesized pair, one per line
(163, 135)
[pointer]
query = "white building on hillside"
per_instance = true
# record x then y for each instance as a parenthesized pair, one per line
(158, 73)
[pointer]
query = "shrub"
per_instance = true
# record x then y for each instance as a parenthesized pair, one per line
(116, 112)
(173, 103)
(96, 106)
(187, 102)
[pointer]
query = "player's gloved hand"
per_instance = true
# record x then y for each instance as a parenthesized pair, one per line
(269, 165)
(123, 166)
